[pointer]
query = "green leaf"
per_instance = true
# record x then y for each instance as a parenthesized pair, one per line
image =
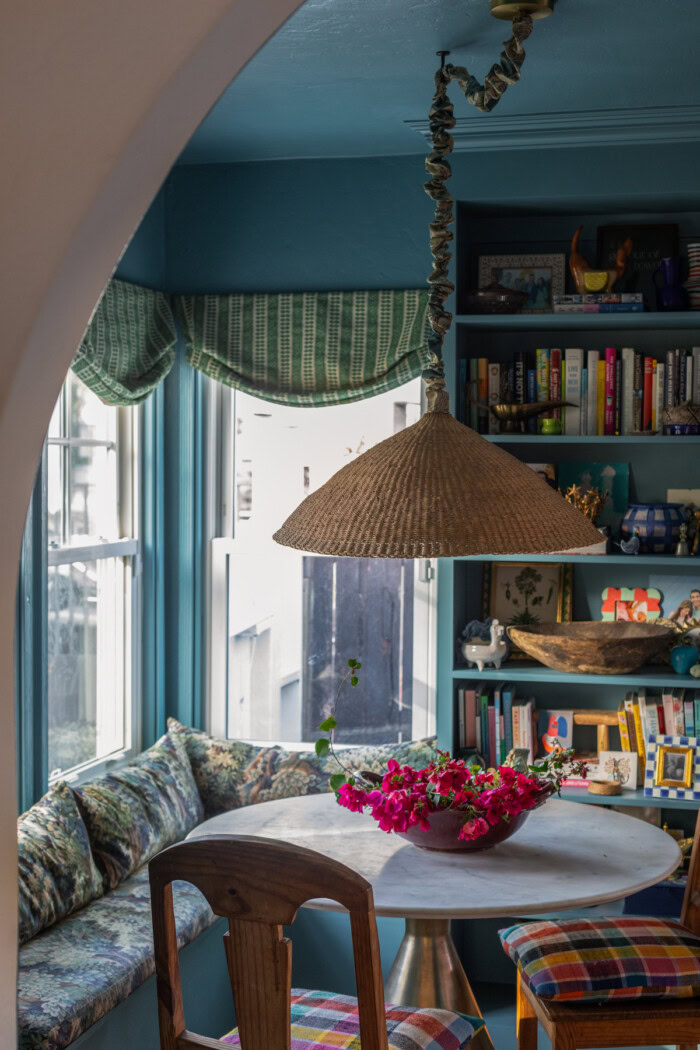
(329, 724)
(322, 746)
(352, 663)
(337, 781)
(354, 680)
(358, 665)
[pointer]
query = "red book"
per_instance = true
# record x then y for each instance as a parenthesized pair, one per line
(662, 720)
(470, 716)
(609, 415)
(555, 380)
(648, 392)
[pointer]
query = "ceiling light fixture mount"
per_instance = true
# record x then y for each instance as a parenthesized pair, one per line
(438, 489)
(534, 8)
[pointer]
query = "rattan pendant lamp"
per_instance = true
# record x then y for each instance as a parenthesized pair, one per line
(438, 489)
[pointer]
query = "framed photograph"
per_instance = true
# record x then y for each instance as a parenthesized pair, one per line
(619, 767)
(518, 593)
(673, 767)
(651, 242)
(612, 481)
(541, 276)
(680, 602)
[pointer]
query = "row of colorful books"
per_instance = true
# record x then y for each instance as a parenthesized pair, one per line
(675, 713)
(599, 303)
(492, 721)
(610, 392)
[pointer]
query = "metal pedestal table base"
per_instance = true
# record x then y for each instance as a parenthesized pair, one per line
(427, 972)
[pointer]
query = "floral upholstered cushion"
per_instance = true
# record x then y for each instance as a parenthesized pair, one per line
(230, 773)
(331, 1022)
(73, 974)
(603, 959)
(138, 810)
(57, 873)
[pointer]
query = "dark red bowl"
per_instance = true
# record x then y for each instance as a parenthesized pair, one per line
(444, 829)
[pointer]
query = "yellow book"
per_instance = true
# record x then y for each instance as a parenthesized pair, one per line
(601, 398)
(625, 742)
(639, 736)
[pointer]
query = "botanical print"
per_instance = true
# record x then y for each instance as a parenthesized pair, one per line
(520, 594)
(619, 767)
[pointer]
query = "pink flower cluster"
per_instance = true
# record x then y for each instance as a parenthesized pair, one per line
(408, 796)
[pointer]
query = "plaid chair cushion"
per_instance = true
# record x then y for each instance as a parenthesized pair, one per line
(328, 1020)
(602, 959)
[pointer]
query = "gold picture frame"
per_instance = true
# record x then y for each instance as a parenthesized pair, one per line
(529, 597)
(668, 766)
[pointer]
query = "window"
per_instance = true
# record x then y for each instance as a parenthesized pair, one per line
(283, 624)
(92, 592)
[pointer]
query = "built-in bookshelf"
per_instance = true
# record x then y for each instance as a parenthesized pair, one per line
(657, 462)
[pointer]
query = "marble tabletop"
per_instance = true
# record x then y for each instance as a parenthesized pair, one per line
(567, 855)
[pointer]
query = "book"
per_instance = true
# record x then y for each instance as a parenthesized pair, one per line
(682, 376)
(493, 741)
(660, 389)
(470, 716)
(652, 719)
(531, 397)
(633, 709)
(484, 723)
(598, 308)
(497, 723)
(668, 393)
(572, 393)
(689, 716)
(473, 393)
(461, 723)
(482, 395)
(667, 704)
(696, 710)
(648, 390)
(627, 354)
(618, 396)
(516, 726)
(678, 712)
(507, 700)
(555, 380)
(592, 358)
(609, 416)
(625, 742)
(661, 718)
(586, 298)
(637, 393)
(696, 374)
(494, 394)
(520, 369)
(600, 410)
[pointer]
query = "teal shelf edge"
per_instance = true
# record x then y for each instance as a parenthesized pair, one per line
(517, 672)
(592, 439)
(661, 561)
(595, 322)
(627, 798)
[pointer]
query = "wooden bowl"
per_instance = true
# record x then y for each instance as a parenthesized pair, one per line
(593, 646)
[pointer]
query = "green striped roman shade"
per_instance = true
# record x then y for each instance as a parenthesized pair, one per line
(308, 348)
(128, 347)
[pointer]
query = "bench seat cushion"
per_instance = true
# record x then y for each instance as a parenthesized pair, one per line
(329, 1021)
(74, 973)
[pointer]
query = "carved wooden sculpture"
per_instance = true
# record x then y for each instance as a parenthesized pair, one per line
(579, 266)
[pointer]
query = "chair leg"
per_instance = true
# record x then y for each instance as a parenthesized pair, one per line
(526, 1021)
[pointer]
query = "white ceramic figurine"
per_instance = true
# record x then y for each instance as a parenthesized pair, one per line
(491, 652)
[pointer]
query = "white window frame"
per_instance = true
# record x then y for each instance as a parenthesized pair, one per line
(128, 548)
(220, 525)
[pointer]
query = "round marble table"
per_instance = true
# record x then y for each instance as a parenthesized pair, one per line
(567, 855)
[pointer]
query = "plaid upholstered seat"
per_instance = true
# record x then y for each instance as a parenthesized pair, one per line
(606, 959)
(327, 1020)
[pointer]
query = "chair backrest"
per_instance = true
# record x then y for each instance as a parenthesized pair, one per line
(258, 885)
(690, 915)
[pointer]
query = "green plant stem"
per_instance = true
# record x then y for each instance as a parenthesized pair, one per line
(348, 674)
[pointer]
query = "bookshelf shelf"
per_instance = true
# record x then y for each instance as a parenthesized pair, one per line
(632, 322)
(656, 561)
(590, 439)
(627, 798)
(516, 671)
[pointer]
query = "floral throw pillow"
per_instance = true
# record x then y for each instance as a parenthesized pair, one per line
(218, 766)
(135, 812)
(57, 873)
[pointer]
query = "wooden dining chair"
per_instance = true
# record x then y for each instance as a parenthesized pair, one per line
(259, 885)
(575, 1024)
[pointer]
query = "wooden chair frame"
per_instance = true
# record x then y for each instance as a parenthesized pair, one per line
(259, 885)
(642, 1022)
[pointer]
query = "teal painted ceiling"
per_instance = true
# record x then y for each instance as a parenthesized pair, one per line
(341, 77)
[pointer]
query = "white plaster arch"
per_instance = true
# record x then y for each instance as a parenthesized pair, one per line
(97, 98)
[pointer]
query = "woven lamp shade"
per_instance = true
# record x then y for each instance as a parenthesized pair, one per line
(436, 489)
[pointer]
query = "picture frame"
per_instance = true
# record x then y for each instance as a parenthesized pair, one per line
(527, 592)
(680, 602)
(631, 604)
(541, 276)
(619, 767)
(673, 767)
(651, 242)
